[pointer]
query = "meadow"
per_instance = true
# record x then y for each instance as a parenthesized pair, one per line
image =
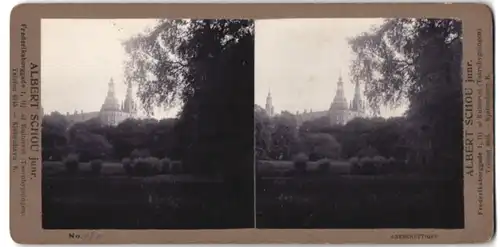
(340, 199)
(115, 200)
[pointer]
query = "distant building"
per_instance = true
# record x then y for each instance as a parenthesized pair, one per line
(269, 104)
(112, 112)
(339, 113)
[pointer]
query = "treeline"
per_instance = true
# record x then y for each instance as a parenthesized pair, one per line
(403, 61)
(93, 140)
(280, 138)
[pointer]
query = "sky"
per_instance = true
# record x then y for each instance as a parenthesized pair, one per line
(300, 61)
(79, 56)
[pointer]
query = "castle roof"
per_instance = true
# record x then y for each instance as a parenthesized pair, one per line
(357, 102)
(128, 104)
(110, 102)
(340, 102)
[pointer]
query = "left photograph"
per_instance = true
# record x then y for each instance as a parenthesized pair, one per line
(147, 124)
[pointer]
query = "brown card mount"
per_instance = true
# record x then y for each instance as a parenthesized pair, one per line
(251, 123)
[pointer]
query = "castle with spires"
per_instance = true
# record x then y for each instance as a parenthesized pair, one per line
(269, 104)
(111, 112)
(340, 111)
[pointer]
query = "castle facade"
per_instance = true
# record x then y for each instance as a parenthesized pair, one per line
(340, 111)
(111, 112)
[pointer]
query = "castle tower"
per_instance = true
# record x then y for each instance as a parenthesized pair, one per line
(128, 104)
(269, 104)
(110, 103)
(339, 102)
(357, 101)
(339, 109)
(110, 109)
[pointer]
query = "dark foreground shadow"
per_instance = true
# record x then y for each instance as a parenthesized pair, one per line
(359, 202)
(138, 203)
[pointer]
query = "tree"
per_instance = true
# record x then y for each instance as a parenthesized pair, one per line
(162, 139)
(132, 134)
(263, 132)
(88, 139)
(207, 65)
(321, 124)
(388, 137)
(321, 145)
(54, 138)
(90, 146)
(285, 140)
(417, 61)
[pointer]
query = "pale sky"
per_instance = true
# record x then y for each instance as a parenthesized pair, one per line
(300, 61)
(79, 56)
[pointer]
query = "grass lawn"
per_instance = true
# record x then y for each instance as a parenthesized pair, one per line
(265, 167)
(51, 168)
(343, 200)
(114, 200)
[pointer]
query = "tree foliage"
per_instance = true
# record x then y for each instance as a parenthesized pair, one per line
(263, 132)
(173, 61)
(207, 67)
(93, 140)
(54, 140)
(417, 61)
(321, 145)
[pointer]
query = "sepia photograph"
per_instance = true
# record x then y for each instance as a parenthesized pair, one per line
(147, 123)
(358, 123)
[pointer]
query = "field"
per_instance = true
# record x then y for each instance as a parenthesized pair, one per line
(114, 200)
(53, 168)
(334, 199)
(342, 200)
(268, 168)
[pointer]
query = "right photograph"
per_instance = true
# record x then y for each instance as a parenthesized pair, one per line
(358, 123)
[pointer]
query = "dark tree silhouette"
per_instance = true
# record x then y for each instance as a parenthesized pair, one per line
(208, 67)
(418, 61)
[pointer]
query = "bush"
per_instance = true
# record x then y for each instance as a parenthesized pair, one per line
(165, 165)
(146, 166)
(355, 165)
(400, 166)
(127, 166)
(354, 161)
(135, 154)
(96, 166)
(155, 165)
(324, 165)
(71, 163)
(392, 165)
(300, 162)
(391, 160)
(175, 167)
(141, 166)
(380, 163)
(139, 153)
(379, 160)
(368, 166)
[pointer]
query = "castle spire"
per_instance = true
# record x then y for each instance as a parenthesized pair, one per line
(269, 103)
(339, 95)
(340, 87)
(358, 91)
(340, 102)
(357, 101)
(111, 88)
(111, 103)
(128, 103)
